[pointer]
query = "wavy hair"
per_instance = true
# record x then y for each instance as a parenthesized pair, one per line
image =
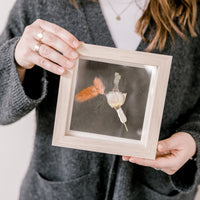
(170, 17)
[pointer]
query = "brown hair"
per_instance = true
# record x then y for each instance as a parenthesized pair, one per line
(164, 13)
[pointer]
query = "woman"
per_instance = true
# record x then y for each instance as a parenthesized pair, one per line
(59, 173)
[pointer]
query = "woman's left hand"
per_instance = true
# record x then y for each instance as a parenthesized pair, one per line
(172, 153)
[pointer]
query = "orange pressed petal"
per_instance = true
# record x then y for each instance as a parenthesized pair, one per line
(98, 84)
(86, 94)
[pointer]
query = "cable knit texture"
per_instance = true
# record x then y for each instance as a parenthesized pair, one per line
(60, 173)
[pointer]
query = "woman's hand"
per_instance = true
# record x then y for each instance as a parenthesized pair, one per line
(40, 45)
(172, 153)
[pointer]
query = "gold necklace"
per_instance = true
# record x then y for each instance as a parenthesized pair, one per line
(143, 8)
(118, 17)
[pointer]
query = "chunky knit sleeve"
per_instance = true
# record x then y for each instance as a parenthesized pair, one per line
(16, 99)
(189, 175)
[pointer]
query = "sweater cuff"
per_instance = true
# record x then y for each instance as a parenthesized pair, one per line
(187, 178)
(17, 99)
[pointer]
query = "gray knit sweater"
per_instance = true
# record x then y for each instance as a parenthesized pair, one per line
(67, 174)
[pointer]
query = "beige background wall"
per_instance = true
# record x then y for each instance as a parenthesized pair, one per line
(16, 141)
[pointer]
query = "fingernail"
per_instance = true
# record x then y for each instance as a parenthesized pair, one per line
(74, 54)
(60, 70)
(124, 158)
(131, 159)
(160, 147)
(75, 43)
(70, 64)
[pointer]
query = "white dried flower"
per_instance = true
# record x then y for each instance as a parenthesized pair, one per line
(116, 99)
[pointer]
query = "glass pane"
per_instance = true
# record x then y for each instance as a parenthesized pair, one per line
(110, 99)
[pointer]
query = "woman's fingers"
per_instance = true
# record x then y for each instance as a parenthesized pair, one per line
(160, 162)
(168, 163)
(46, 64)
(172, 153)
(62, 40)
(125, 158)
(55, 47)
(65, 35)
(59, 45)
(49, 53)
(168, 144)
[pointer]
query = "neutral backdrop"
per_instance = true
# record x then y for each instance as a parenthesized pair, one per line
(16, 140)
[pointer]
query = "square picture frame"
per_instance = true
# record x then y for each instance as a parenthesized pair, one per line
(92, 135)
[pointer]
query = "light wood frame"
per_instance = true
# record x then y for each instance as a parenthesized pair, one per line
(144, 148)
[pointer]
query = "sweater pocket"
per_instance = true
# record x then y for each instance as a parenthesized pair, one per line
(83, 188)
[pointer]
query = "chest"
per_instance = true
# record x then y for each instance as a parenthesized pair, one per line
(88, 25)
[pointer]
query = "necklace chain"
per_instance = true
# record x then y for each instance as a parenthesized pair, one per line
(140, 7)
(119, 14)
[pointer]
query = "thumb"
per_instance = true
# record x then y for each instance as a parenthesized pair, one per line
(167, 145)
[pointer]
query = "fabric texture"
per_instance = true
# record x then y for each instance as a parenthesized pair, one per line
(61, 173)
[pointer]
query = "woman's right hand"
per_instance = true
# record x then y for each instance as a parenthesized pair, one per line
(51, 39)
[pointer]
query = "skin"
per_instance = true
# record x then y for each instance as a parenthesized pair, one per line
(172, 153)
(54, 38)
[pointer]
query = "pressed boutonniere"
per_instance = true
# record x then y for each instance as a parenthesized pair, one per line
(115, 98)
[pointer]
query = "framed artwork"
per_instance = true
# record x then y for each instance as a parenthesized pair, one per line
(112, 101)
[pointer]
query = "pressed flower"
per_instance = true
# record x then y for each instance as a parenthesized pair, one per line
(91, 92)
(115, 98)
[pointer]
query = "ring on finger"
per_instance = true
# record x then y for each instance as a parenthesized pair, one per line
(40, 35)
(37, 47)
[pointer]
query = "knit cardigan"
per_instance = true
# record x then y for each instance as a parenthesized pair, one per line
(58, 173)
